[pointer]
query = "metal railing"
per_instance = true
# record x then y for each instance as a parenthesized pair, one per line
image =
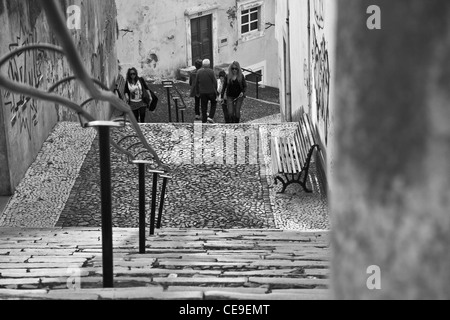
(176, 97)
(68, 49)
(130, 142)
(258, 78)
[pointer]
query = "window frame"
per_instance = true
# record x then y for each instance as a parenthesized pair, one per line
(256, 33)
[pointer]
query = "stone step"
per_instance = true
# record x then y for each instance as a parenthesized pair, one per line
(178, 264)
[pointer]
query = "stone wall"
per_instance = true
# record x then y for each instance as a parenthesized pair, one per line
(25, 123)
(391, 187)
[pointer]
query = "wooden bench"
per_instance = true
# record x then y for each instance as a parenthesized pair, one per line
(291, 156)
(120, 87)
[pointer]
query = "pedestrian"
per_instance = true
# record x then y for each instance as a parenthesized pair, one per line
(206, 84)
(222, 97)
(194, 94)
(135, 90)
(235, 89)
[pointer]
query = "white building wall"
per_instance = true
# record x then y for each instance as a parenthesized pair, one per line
(154, 36)
(310, 34)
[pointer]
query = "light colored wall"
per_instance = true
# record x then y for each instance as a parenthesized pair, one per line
(391, 193)
(323, 50)
(312, 61)
(25, 126)
(154, 36)
(295, 34)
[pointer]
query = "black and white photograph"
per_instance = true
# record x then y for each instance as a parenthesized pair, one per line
(246, 152)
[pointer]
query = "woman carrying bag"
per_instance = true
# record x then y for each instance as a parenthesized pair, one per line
(235, 88)
(137, 94)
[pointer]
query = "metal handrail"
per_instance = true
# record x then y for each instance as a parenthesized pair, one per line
(259, 77)
(170, 84)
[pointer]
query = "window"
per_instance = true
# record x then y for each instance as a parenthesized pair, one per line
(250, 20)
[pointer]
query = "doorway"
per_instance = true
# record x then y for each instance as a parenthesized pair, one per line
(201, 38)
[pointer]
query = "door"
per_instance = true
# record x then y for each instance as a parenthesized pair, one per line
(201, 39)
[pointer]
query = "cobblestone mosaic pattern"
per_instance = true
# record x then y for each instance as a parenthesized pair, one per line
(43, 192)
(204, 191)
(221, 178)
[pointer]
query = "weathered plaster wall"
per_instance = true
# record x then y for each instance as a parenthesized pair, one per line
(154, 36)
(311, 65)
(26, 122)
(391, 189)
(292, 28)
(323, 43)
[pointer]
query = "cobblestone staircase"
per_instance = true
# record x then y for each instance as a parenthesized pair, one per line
(185, 264)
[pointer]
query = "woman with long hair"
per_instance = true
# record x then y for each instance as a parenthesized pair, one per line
(134, 93)
(235, 88)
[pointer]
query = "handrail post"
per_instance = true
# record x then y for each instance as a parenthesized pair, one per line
(168, 104)
(153, 207)
(176, 108)
(257, 87)
(161, 202)
(141, 207)
(105, 192)
(168, 84)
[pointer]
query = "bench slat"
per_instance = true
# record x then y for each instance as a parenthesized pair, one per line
(282, 156)
(296, 152)
(286, 156)
(279, 166)
(276, 167)
(292, 156)
(304, 143)
(301, 147)
(309, 129)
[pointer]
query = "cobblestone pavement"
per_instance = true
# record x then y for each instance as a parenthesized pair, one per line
(179, 264)
(221, 179)
(41, 195)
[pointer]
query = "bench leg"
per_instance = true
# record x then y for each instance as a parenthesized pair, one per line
(285, 184)
(292, 181)
(303, 184)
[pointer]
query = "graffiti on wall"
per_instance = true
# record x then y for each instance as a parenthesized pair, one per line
(307, 79)
(322, 78)
(24, 68)
(319, 13)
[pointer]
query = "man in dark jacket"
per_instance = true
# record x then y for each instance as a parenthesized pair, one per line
(206, 84)
(194, 94)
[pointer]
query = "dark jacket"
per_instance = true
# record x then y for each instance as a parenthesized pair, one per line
(206, 82)
(235, 88)
(192, 78)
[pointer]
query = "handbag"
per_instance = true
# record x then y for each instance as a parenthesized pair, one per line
(145, 97)
(154, 103)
